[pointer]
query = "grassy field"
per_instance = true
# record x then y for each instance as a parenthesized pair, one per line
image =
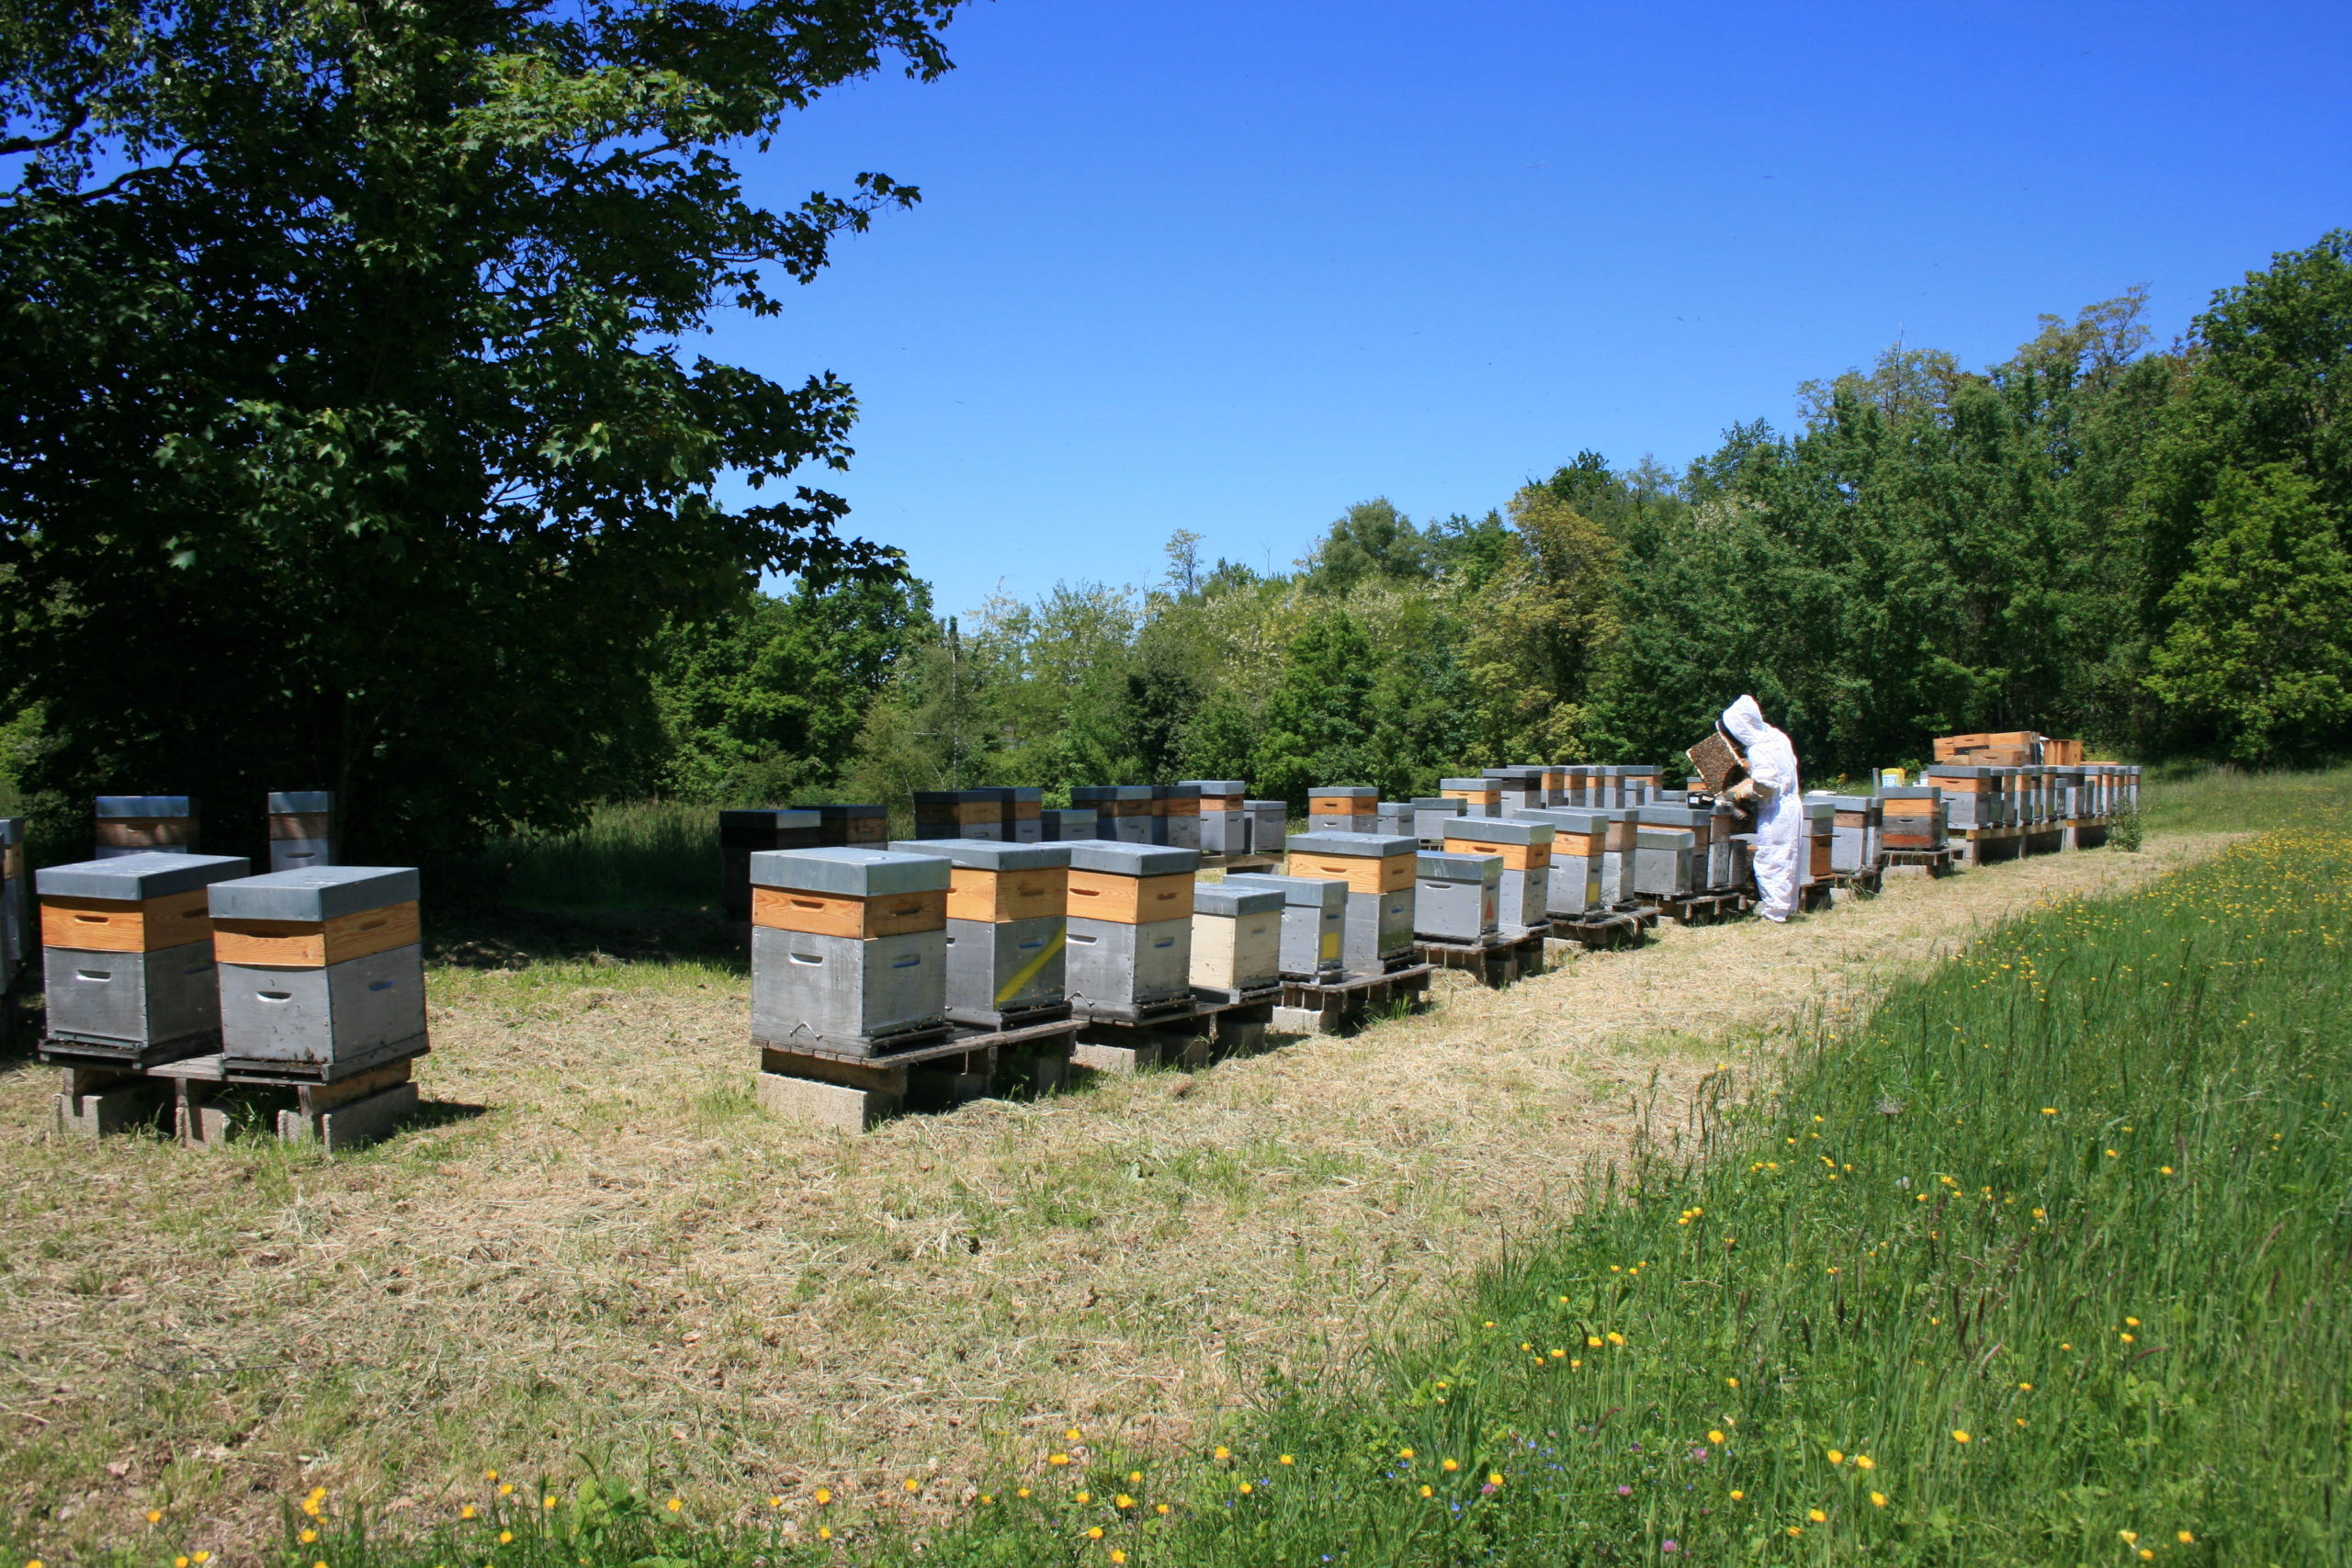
(2044, 1263)
(600, 1260)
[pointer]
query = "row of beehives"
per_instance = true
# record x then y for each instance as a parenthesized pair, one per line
(2034, 795)
(160, 955)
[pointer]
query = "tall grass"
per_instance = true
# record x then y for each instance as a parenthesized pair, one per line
(2045, 1263)
(634, 855)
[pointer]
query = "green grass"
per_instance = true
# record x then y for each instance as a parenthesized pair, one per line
(2202, 798)
(644, 855)
(2081, 1193)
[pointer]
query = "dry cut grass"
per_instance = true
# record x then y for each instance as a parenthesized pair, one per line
(595, 1253)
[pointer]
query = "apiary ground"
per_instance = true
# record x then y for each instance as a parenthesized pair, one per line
(593, 1253)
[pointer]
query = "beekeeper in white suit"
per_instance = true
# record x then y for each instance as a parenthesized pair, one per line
(1771, 790)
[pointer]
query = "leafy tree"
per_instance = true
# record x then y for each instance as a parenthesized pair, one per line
(350, 437)
(2260, 646)
(1538, 629)
(1373, 540)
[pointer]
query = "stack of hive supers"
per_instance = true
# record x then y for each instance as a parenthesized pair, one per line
(984, 814)
(127, 956)
(1063, 824)
(1579, 839)
(321, 972)
(1723, 820)
(1522, 789)
(1237, 939)
(147, 824)
(1007, 928)
(1130, 928)
(1821, 837)
(1525, 845)
(849, 949)
(1912, 817)
(847, 827)
(742, 834)
(1972, 795)
(1341, 808)
(1555, 784)
(1392, 816)
(1224, 815)
(301, 830)
(1378, 870)
(1431, 815)
(1123, 813)
(1269, 825)
(1670, 850)
(1315, 919)
(1456, 896)
(1637, 783)
(1176, 813)
(1479, 798)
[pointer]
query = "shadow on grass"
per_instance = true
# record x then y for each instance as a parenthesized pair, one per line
(507, 939)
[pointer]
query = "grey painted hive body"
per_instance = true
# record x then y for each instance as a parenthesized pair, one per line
(1000, 969)
(1315, 914)
(313, 1016)
(1456, 896)
(135, 1002)
(850, 994)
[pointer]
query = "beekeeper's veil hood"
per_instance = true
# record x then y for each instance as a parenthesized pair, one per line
(1746, 721)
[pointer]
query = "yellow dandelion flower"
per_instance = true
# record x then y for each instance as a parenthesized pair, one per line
(2131, 1322)
(155, 1515)
(1796, 1529)
(506, 1489)
(466, 1512)
(824, 1493)
(985, 1498)
(2130, 1538)
(2146, 1555)
(1714, 1436)
(1864, 1461)
(1878, 1499)
(179, 1562)
(675, 1503)
(1450, 1465)
(1134, 1476)
(2186, 1538)
(775, 1499)
(1071, 1435)
(2166, 1170)
(1816, 1516)
(1160, 1509)
(308, 1536)
(2130, 1338)
(1095, 1532)
(490, 1475)
(1284, 1460)
(911, 1484)
(1123, 1501)
(1575, 1361)
(505, 1538)
(1064, 1458)
(1021, 1492)
(1425, 1491)
(1493, 1478)
(1117, 1556)
(1247, 1489)
(1223, 1452)
(1740, 1496)
(1404, 1453)
(1731, 1382)
(1958, 1435)
(201, 1557)
(824, 1532)
(1086, 1496)
(1615, 1337)
(1836, 1457)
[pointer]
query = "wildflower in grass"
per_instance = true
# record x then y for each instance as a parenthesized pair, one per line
(911, 1484)
(2127, 1338)
(490, 1475)
(824, 1532)
(179, 1562)
(1223, 1452)
(467, 1512)
(1427, 1490)
(1247, 1489)
(1123, 1501)
(2166, 1170)
(2130, 1538)
(1616, 1338)
(1864, 1461)
(1450, 1465)
(201, 1558)
(308, 1536)
(2027, 1387)
(1836, 1457)
(1738, 1496)
(1731, 1382)
(1668, 1544)
(1095, 1532)
(1022, 1492)
(505, 1538)
(1086, 1497)
(1878, 1499)
(1135, 1477)
(1592, 1341)
(155, 1515)
(1064, 1458)
(1493, 1478)
(1117, 1556)
(506, 1489)
(548, 1501)
(825, 1494)
(2049, 1110)
(1286, 1459)
(1958, 1435)
(1716, 1437)
(2184, 1537)
(2146, 1555)
(1796, 1529)
(676, 1503)
(1624, 1492)
(775, 1499)
(1404, 1453)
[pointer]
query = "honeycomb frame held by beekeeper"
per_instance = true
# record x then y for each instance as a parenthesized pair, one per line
(1774, 793)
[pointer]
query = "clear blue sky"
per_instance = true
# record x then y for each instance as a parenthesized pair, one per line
(1230, 268)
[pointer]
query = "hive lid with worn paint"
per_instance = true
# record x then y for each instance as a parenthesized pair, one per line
(1517, 774)
(1345, 792)
(1436, 866)
(135, 877)
(1910, 791)
(1219, 786)
(1438, 802)
(1671, 817)
(1025, 795)
(1659, 838)
(1568, 818)
(1231, 902)
(770, 817)
(987, 855)
(319, 893)
(1821, 810)
(1965, 771)
(1368, 845)
(1501, 830)
(139, 806)
(1471, 786)
(301, 802)
(1849, 802)
(1130, 859)
(1301, 892)
(1176, 792)
(850, 873)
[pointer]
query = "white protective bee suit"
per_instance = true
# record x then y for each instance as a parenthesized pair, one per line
(1778, 800)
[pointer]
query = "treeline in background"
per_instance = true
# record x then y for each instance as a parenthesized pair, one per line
(2144, 546)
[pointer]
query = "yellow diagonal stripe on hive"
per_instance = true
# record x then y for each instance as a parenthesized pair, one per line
(1013, 988)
